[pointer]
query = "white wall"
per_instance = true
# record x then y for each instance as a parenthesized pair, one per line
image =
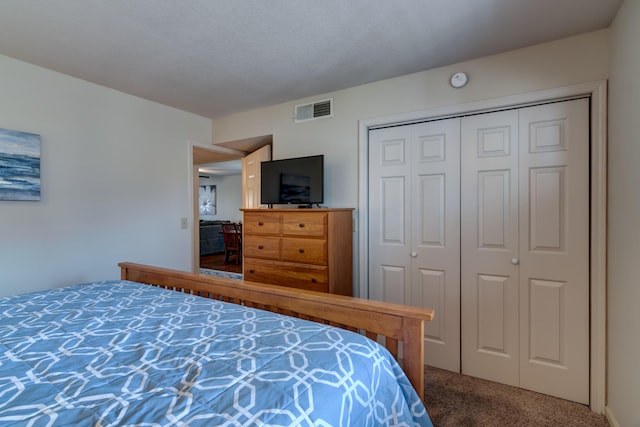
(565, 62)
(561, 63)
(114, 173)
(623, 373)
(228, 197)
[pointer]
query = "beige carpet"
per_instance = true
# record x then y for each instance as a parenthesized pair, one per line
(459, 400)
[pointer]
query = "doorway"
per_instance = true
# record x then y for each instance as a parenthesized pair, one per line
(219, 202)
(219, 169)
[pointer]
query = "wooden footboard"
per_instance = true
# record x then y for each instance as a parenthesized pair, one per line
(396, 323)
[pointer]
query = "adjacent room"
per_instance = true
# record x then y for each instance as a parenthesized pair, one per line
(448, 186)
(219, 217)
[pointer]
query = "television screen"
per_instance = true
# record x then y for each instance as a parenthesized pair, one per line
(293, 181)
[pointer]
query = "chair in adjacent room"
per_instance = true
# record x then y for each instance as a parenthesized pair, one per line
(232, 243)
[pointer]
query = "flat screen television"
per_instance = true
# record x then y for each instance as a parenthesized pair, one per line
(298, 181)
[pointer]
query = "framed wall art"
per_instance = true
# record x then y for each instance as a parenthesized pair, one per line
(207, 199)
(19, 165)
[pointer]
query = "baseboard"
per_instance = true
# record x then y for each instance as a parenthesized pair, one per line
(608, 412)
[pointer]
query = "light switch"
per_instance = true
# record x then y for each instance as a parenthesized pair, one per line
(183, 223)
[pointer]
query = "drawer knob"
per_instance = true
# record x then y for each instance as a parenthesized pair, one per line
(260, 247)
(260, 223)
(301, 251)
(251, 271)
(301, 225)
(313, 280)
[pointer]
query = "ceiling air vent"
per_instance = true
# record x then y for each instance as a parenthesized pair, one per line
(314, 110)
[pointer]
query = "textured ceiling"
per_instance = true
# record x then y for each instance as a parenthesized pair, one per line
(216, 57)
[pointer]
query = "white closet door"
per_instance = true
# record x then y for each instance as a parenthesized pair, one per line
(435, 233)
(554, 249)
(489, 246)
(389, 214)
(486, 219)
(414, 228)
(525, 248)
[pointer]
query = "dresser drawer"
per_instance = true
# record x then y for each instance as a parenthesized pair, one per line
(286, 274)
(261, 247)
(306, 251)
(261, 223)
(305, 224)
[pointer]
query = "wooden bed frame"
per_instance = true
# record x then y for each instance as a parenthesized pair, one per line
(396, 323)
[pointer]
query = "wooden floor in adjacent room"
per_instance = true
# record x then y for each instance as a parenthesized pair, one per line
(216, 262)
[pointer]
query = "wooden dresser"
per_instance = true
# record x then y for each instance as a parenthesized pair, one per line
(300, 248)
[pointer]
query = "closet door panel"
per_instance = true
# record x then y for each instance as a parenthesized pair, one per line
(493, 210)
(431, 203)
(430, 291)
(389, 214)
(547, 209)
(393, 280)
(435, 233)
(554, 247)
(493, 311)
(489, 246)
(414, 227)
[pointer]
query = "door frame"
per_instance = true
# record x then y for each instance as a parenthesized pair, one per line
(597, 91)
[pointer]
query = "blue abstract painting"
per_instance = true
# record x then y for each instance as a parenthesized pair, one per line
(19, 165)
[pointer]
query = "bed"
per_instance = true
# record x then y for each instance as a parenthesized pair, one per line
(122, 352)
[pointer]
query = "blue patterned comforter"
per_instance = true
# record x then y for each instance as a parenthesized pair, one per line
(120, 353)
